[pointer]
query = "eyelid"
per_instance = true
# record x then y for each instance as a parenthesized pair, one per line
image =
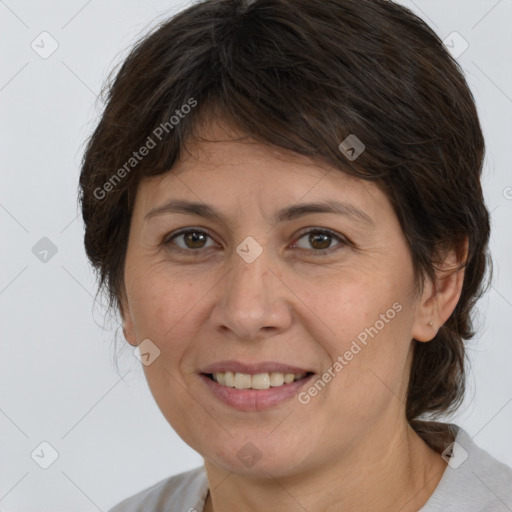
(174, 234)
(316, 229)
(310, 229)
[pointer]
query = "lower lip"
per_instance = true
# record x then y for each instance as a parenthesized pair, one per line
(254, 399)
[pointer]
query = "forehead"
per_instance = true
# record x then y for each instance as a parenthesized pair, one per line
(219, 143)
(223, 166)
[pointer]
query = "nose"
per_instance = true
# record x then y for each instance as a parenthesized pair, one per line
(251, 302)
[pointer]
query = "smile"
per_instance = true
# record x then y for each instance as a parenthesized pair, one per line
(251, 392)
(257, 381)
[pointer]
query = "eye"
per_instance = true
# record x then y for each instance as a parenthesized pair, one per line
(320, 240)
(191, 238)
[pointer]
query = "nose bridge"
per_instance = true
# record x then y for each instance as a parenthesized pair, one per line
(247, 285)
(250, 300)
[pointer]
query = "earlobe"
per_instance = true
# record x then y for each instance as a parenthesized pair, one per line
(439, 298)
(128, 330)
(425, 328)
(128, 336)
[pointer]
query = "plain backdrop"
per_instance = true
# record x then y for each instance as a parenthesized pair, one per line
(58, 383)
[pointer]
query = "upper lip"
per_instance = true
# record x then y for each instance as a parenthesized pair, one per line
(253, 368)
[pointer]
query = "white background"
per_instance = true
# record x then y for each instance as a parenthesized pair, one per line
(58, 382)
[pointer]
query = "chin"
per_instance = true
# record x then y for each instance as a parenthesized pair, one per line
(259, 459)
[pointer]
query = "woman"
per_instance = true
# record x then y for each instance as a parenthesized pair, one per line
(283, 201)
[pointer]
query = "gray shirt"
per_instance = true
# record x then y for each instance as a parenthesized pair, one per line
(473, 481)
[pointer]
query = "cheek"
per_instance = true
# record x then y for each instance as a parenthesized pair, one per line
(372, 321)
(161, 307)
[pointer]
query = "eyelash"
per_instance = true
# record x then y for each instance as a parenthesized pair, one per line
(323, 231)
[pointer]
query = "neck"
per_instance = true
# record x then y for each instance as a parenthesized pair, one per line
(379, 474)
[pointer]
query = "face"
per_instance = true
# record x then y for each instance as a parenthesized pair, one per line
(269, 286)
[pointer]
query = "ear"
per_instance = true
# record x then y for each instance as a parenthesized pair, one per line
(128, 328)
(439, 297)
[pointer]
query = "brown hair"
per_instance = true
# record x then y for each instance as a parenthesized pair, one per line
(303, 75)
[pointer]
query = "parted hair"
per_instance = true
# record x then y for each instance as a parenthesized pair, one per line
(304, 75)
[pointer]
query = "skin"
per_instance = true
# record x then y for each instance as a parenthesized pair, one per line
(350, 448)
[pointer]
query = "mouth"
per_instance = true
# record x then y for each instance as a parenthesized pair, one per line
(258, 381)
(251, 387)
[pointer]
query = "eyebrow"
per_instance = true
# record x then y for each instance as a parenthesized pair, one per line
(285, 214)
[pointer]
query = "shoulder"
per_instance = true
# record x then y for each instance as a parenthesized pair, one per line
(473, 481)
(185, 491)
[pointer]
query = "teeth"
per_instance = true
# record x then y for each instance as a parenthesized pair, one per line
(229, 379)
(242, 381)
(276, 379)
(289, 377)
(258, 381)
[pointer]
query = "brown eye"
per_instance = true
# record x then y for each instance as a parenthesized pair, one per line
(192, 239)
(319, 240)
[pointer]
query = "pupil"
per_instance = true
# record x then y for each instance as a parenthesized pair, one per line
(320, 236)
(194, 237)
